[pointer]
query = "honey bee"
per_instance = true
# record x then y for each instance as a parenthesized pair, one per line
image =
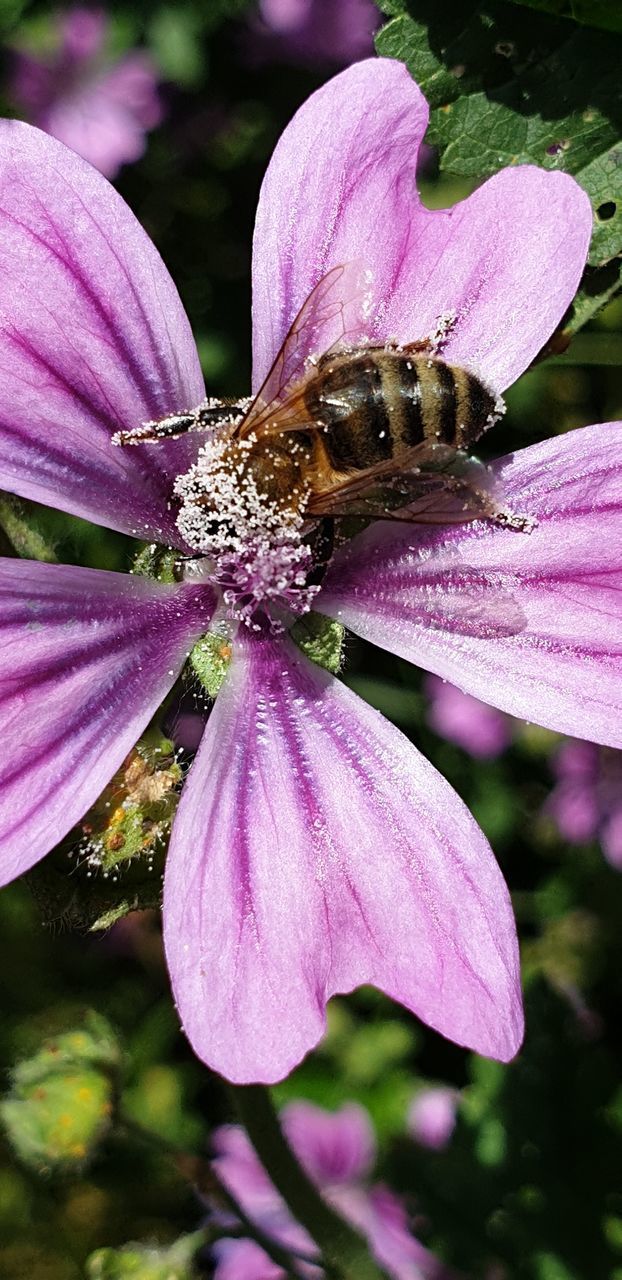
(361, 430)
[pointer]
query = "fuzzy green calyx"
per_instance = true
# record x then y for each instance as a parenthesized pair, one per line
(210, 660)
(321, 639)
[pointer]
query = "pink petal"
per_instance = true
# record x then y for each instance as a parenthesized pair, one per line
(341, 186)
(314, 850)
(86, 657)
(244, 1260)
(531, 623)
(335, 1147)
(93, 338)
(240, 1168)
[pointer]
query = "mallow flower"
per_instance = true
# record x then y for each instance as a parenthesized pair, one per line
(312, 32)
(314, 849)
(473, 725)
(586, 802)
(100, 108)
(338, 1151)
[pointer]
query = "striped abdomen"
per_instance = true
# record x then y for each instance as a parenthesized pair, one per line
(377, 404)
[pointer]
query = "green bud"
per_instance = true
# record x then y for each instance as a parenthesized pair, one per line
(138, 1262)
(321, 639)
(61, 1100)
(154, 561)
(210, 661)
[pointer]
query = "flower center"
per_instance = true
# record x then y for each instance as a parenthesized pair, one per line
(242, 506)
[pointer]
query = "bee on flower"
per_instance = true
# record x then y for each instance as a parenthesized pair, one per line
(313, 848)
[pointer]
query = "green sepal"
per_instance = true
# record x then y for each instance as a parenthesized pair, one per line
(139, 1262)
(321, 639)
(62, 1098)
(156, 561)
(210, 660)
(133, 815)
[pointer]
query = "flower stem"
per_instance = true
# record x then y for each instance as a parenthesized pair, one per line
(199, 1171)
(342, 1248)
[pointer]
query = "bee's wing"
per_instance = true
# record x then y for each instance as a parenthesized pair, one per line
(334, 312)
(432, 484)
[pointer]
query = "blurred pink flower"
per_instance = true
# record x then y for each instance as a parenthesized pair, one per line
(586, 803)
(432, 1116)
(338, 1151)
(314, 848)
(101, 110)
(313, 32)
(479, 729)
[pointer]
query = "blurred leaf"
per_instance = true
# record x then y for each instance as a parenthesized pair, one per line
(508, 87)
(174, 37)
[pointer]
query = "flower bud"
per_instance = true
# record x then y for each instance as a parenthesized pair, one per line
(61, 1100)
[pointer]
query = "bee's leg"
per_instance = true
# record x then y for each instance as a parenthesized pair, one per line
(177, 424)
(210, 413)
(421, 347)
(216, 413)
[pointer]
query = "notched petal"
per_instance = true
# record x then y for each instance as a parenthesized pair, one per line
(93, 339)
(314, 850)
(439, 597)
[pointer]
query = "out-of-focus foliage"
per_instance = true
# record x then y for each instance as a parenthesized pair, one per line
(594, 13)
(507, 86)
(135, 1262)
(528, 1187)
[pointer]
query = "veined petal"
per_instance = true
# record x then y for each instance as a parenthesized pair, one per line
(341, 186)
(314, 849)
(445, 598)
(93, 339)
(86, 657)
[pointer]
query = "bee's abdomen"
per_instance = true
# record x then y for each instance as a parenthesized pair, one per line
(348, 398)
(435, 401)
(376, 405)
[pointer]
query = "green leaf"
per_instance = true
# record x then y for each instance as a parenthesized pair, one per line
(508, 87)
(592, 13)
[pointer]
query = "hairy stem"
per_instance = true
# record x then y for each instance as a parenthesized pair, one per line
(343, 1250)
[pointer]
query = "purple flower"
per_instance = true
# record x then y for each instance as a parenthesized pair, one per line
(101, 110)
(432, 1116)
(313, 32)
(338, 1151)
(586, 803)
(314, 849)
(479, 729)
